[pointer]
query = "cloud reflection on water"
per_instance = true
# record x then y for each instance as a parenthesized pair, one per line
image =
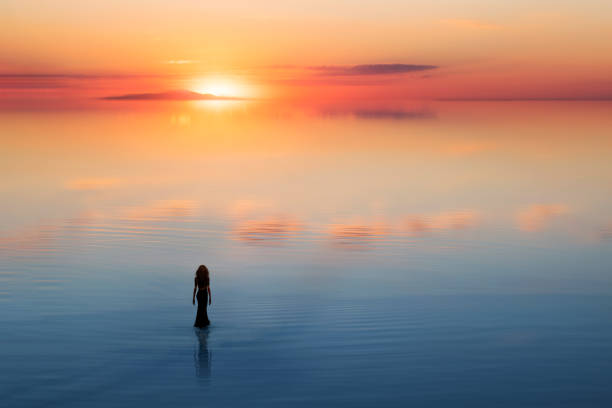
(178, 222)
(269, 231)
(356, 236)
(373, 113)
(537, 216)
(455, 220)
(39, 240)
(160, 210)
(606, 232)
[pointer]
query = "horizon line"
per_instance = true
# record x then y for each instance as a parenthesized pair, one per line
(534, 99)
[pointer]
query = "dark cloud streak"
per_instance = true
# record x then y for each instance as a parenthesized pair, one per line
(375, 114)
(393, 114)
(180, 95)
(372, 69)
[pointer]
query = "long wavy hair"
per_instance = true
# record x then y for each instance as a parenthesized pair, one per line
(202, 274)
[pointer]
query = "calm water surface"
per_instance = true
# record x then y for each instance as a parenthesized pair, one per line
(433, 254)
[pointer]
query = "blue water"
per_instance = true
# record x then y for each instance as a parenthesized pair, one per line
(338, 292)
(483, 350)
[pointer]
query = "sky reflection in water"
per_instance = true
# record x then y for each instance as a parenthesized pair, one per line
(303, 214)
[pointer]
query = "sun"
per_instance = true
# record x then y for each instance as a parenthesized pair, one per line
(225, 87)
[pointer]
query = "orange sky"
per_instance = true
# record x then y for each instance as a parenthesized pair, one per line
(305, 50)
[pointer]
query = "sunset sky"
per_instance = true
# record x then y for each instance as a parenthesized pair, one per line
(307, 50)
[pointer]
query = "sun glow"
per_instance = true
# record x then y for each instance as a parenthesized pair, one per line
(222, 87)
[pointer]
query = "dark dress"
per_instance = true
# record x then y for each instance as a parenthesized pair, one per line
(202, 296)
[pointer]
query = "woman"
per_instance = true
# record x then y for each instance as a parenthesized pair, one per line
(202, 282)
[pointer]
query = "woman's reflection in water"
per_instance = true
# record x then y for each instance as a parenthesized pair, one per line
(202, 356)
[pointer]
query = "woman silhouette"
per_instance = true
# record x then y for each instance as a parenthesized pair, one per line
(202, 282)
